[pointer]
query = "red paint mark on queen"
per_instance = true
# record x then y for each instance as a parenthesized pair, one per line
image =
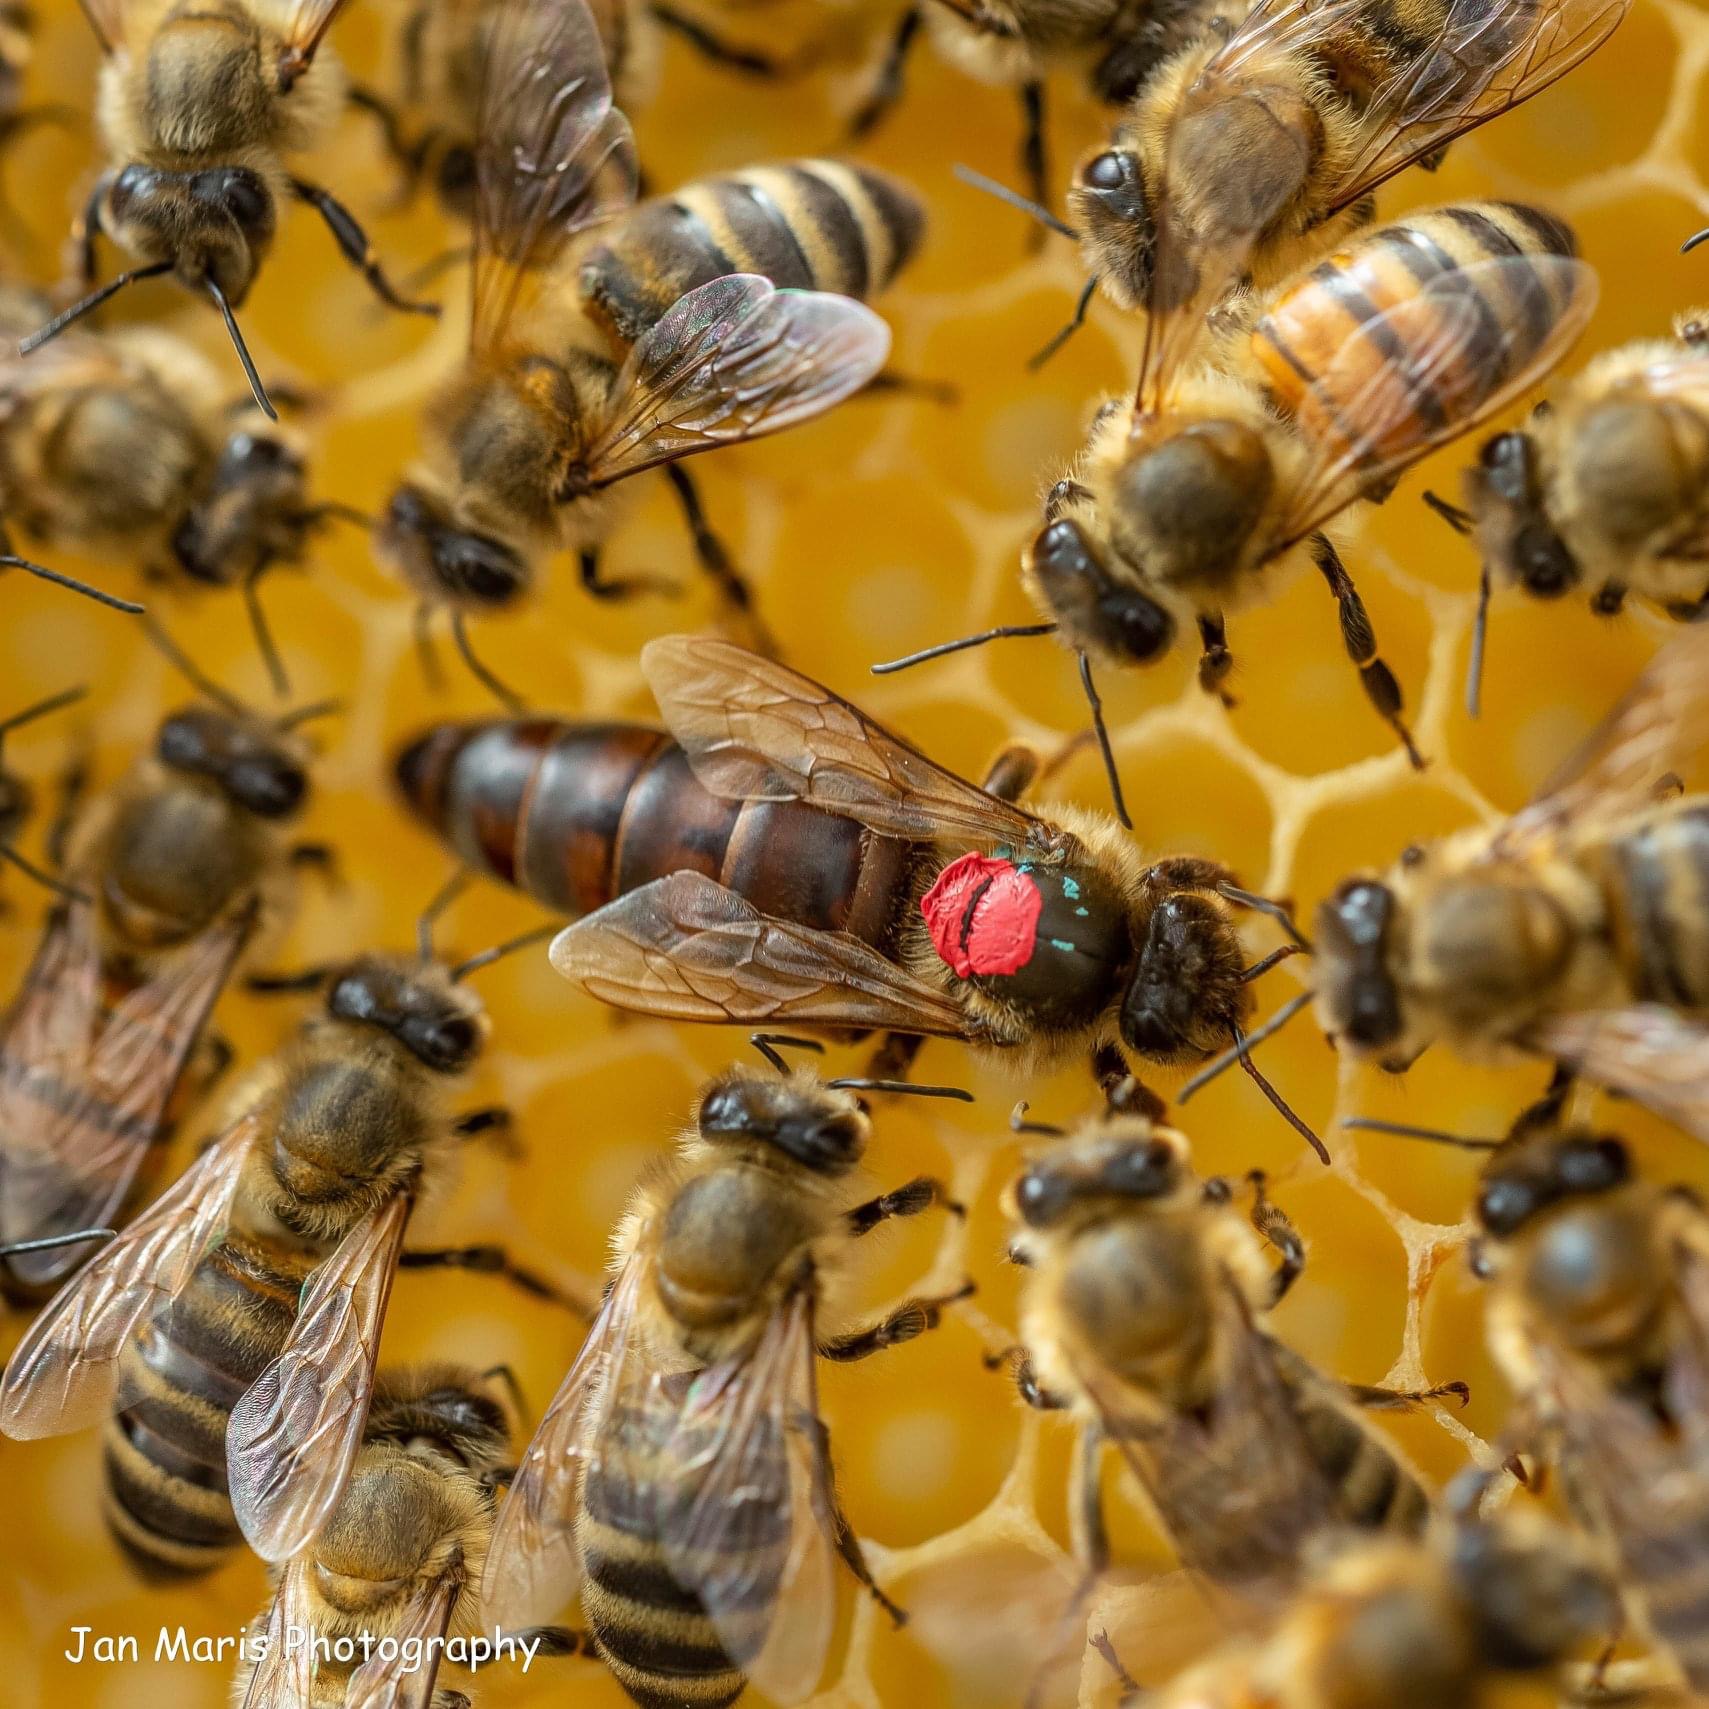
(982, 914)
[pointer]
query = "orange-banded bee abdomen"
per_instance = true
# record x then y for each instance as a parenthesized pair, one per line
(576, 815)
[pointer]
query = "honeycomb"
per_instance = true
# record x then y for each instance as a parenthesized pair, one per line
(891, 524)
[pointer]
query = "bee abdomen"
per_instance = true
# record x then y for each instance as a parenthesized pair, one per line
(1672, 1571)
(1375, 1491)
(821, 225)
(166, 1499)
(1365, 320)
(577, 814)
(1660, 904)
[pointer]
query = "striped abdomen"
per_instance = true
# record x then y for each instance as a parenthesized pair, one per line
(179, 1378)
(819, 225)
(1374, 1490)
(652, 1630)
(1656, 879)
(577, 814)
(1414, 306)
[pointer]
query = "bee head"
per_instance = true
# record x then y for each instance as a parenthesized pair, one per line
(1099, 614)
(1185, 993)
(248, 514)
(446, 562)
(1108, 205)
(257, 768)
(1532, 1589)
(1504, 490)
(1183, 506)
(1358, 991)
(822, 1129)
(442, 1025)
(215, 224)
(1541, 1170)
(1115, 1162)
(444, 1407)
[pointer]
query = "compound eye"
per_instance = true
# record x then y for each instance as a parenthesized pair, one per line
(240, 193)
(1594, 1166)
(1509, 467)
(1040, 1197)
(1504, 1205)
(181, 744)
(1106, 171)
(448, 1043)
(478, 567)
(270, 788)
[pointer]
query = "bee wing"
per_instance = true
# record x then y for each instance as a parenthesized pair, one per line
(533, 1565)
(85, 1095)
(1412, 376)
(552, 155)
(733, 359)
(306, 24)
(59, 1374)
(284, 1676)
(381, 1682)
(293, 1435)
(745, 1520)
(1653, 1054)
(687, 949)
(1661, 722)
(1484, 60)
(755, 730)
(1240, 1491)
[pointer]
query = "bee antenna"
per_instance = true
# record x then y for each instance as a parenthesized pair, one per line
(1281, 1104)
(49, 1242)
(1033, 210)
(766, 1044)
(1075, 321)
(1692, 242)
(1480, 634)
(442, 898)
(506, 696)
(190, 670)
(263, 632)
(1019, 1124)
(1270, 906)
(498, 952)
(1240, 1052)
(65, 697)
(1104, 747)
(46, 880)
(335, 510)
(1003, 632)
(306, 714)
(11, 560)
(906, 1088)
(1434, 1135)
(263, 402)
(1456, 518)
(88, 304)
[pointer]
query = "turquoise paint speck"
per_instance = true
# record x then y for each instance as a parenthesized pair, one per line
(1084, 913)
(1071, 890)
(1057, 943)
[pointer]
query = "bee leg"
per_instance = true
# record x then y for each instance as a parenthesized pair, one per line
(894, 1057)
(512, 1387)
(910, 1319)
(217, 1055)
(86, 233)
(487, 1260)
(715, 560)
(842, 1533)
(1094, 1550)
(320, 859)
(1012, 773)
(73, 786)
(1075, 321)
(1404, 1400)
(619, 587)
(1129, 1685)
(1122, 1089)
(354, 245)
(911, 1199)
(1361, 643)
(887, 86)
(1278, 1229)
(447, 1699)
(1035, 165)
(556, 1640)
(892, 384)
(288, 984)
(712, 46)
(1060, 496)
(1215, 660)
(496, 1125)
(1026, 1379)
(409, 157)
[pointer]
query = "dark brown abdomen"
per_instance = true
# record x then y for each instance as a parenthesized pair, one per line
(811, 225)
(1656, 878)
(578, 814)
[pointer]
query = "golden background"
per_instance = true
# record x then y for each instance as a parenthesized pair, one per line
(890, 525)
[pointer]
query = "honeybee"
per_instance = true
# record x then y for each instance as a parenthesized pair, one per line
(1571, 930)
(127, 443)
(681, 1478)
(1257, 147)
(241, 1314)
(202, 107)
(651, 347)
(1605, 487)
(400, 1557)
(1599, 1318)
(1452, 1619)
(171, 881)
(1186, 502)
(858, 885)
(1142, 1315)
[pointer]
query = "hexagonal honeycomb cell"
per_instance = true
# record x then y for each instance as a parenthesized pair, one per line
(896, 523)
